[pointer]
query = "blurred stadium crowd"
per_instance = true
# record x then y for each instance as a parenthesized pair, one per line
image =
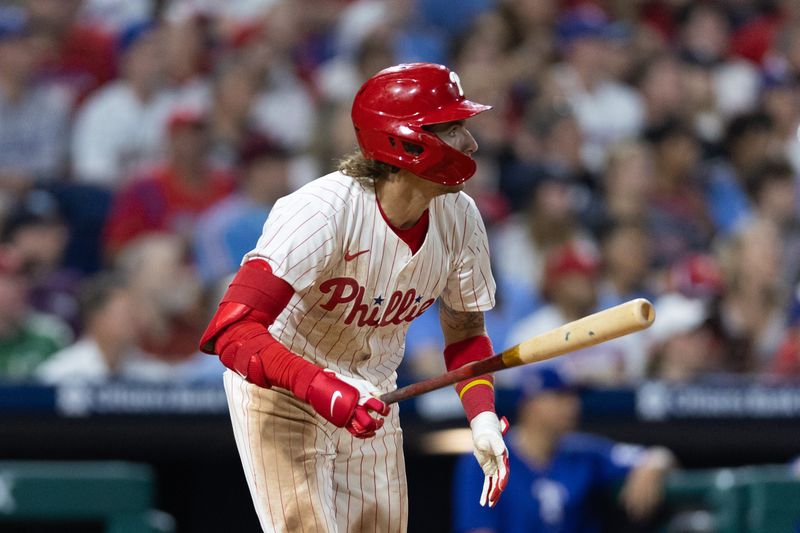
(636, 148)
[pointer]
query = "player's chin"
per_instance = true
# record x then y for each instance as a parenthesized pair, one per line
(448, 189)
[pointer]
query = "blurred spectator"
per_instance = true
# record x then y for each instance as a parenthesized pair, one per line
(107, 349)
(112, 16)
(746, 144)
(121, 126)
(334, 135)
(700, 103)
(33, 114)
(772, 189)
(439, 13)
(37, 234)
(629, 185)
(787, 359)
(560, 476)
(703, 41)
(340, 78)
(781, 89)
(660, 81)
(607, 110)
(697, 275)
(234, 88)
(570, 286)
(679, 222)
(683, 347)
(389, 33)
(483, 187)
(230, 228)
(626, 264)
(167, 294)
(753, 39)
(187, 58)
(752, 308)
(412, 38)
(284, 107)
(27, 338)
(78, 56)
(530, 33)
(560, 139)
(171, 196)
(520, 244)
(480, 60)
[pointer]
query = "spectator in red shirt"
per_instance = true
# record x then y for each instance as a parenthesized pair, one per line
(78, 56)
(170, 196)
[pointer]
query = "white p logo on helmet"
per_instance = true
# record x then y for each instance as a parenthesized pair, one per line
(455, 79)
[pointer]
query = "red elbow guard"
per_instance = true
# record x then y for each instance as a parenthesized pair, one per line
(254, 290)
(476, 394)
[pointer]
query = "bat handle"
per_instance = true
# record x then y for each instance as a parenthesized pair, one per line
(471, 370)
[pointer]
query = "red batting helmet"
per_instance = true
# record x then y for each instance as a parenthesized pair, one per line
(391, 108)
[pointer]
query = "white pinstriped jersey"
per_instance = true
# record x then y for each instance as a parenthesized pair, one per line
(357, 284)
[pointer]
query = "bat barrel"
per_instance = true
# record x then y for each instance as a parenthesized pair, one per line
(629, 317)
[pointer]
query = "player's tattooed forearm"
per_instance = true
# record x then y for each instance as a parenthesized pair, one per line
(460, 320)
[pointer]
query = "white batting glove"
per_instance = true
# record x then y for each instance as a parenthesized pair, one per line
(491, 453)
(366, 390)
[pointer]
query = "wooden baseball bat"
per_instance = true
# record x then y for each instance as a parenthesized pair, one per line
(602, 326)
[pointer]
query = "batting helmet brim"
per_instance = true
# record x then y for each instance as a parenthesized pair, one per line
(461, 110)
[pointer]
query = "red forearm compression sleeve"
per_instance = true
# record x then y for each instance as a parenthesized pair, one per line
(477, 394)
(268, 362)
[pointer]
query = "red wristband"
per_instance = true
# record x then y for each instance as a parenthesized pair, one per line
(477, 394)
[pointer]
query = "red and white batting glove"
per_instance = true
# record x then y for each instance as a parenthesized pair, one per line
(491, 453)
(347, 403)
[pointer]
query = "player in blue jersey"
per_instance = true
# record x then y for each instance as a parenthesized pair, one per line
(559, 476)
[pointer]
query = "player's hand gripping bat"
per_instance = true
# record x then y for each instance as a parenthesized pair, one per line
(602, 326)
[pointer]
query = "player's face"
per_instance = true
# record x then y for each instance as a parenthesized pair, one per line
(455, 135)
(554, 412)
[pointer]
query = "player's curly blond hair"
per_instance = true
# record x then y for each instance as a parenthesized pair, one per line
(357, 166)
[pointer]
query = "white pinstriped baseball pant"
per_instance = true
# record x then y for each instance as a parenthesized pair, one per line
(306, 475)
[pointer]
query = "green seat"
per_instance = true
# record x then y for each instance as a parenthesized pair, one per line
(115, 493)
(752, 499)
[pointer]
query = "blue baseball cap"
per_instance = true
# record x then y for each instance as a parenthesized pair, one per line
(585, 22)
(133, 33)
(13, 23)
(535, 381)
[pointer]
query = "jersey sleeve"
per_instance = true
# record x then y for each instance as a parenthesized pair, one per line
(468, 515)
(297, 240)
(470, 286)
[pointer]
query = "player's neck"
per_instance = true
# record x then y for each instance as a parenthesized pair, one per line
(404, 198)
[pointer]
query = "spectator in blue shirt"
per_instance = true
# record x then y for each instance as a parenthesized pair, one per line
(558, 477)
(33, 114)
(227, 231)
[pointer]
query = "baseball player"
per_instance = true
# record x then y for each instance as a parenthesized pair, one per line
(312, 327)
(560, 475)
